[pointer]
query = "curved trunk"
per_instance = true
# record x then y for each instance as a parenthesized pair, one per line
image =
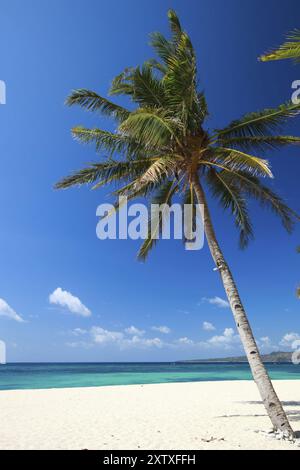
(260, 375)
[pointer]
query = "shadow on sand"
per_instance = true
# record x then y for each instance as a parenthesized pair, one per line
(293, 415)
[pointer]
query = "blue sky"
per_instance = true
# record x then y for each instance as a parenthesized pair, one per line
(47, 237)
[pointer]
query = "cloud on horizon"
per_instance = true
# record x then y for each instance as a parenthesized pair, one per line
(290, 341)
(102, 336)
(133, 337)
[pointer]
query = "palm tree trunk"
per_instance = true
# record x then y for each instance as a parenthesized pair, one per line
(260, 375)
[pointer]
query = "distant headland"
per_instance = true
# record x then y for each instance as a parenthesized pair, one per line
(274, 357)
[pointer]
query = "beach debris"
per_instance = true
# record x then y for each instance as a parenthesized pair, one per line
(213, 439)
(279, 436)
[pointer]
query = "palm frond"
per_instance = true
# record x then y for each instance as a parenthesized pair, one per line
(237, 160)
(252, 187)
(132, 189)
(122, 83)
(163, 196)
(152, 127)
(142, 85)
(104, 140)
(111, 142)
(260, 143)
(104, 173)
(261, 123)
(231, 197)
(269, 199)
(288, 50)
(202, 107)
(148, 89)
(161, 168)
(156, 66)
(130, 192)
(91, 101)
(180, 84)
(163, 48)
(175, 26)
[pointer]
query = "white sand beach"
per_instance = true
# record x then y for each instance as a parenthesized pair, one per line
(203, 415)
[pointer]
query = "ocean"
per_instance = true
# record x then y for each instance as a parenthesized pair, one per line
(21, 376)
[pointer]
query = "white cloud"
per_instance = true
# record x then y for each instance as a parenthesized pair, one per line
(102, 336)
(266, 345)
(154, 342)
(290, 340)
(132, 330)
(265, 340)
(162, 329)
(226, 340)
(217, 301)
(79, 332)
(133, 337)
(79, 344)
(137, 341)
(67, 300)
(7, 311)
(296, 344)
(207, 326)
(186, 341)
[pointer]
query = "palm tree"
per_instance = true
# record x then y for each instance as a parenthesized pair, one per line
(288, 50)
(161, 148)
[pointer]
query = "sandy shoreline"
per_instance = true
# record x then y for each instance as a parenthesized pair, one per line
(202, 415)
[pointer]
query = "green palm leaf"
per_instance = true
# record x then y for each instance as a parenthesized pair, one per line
(163, 196)
(289, 50)
(267, 198)
(231, 197)
(91, 101)
(252, 187)
(148, 90)
(153, 127)
(106, 172)
(260, 143)
(258, 124)
(164, 48)
(111, 142)
(175, 26)
(240, 161)
(161, 168)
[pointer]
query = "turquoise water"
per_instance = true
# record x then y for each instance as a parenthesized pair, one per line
(40, 376)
